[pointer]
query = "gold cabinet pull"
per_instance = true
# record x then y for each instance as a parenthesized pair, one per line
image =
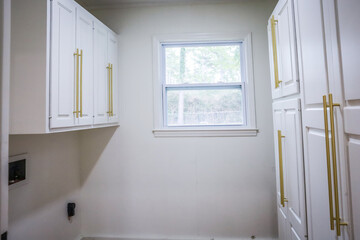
(335, 174)
(276, 67)
(112, 91)
(332, 180)
(81, 86)
(281, 170)
(325, 106)
(77, 83)
(109, 87)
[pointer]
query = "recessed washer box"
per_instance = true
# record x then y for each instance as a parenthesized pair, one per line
(18, 170)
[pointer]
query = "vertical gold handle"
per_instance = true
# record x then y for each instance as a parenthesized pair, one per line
(77, 83)
(81, 71)
(335, 175)
(109, 88)
(112, 91)
(281, 170)
(325, 106)
(276, 67)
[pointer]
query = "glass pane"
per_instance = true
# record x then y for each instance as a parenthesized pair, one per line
(187, 107)
(202, 64)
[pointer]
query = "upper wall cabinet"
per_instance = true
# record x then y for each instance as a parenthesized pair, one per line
(106, 96)
(55, 68)
(282, 49)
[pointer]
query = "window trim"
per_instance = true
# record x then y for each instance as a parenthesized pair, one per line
(247, 83)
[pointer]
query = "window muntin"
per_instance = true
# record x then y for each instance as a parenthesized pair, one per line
(202, 84)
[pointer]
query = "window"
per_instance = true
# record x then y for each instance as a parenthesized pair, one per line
(202, 85)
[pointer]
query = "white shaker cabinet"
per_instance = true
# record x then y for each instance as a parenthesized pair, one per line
(289, 169)
(63, 64)
(281, 174)
(349, 35)
(101, 74)
(106, 87)
(291, 200)
(85, 46)
(53, 84)
(282, 49)
(114, 85)
(326, 165)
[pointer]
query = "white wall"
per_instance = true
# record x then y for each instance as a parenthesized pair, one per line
(37, 210)
(135, 185)
(5, 24)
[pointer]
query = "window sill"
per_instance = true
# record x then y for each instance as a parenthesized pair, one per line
(227, 132)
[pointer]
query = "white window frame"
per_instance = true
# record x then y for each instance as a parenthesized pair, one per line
(247, 84)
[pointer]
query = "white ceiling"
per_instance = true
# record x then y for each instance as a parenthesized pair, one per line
(120, 3)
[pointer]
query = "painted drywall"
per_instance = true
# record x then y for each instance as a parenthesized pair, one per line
(135, 185)
(5, 24)
(37, 210)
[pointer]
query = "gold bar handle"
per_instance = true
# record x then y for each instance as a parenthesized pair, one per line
(276, 67)
(109, 88)
(77, 83)
(81, 85)
(112, 91)
(328, 163)
(281, 170)
(335, 174)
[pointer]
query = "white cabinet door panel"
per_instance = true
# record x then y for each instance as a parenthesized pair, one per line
(311, 47)
(349, 34)
(85, 44)
(316, 184)
(283, 226)
(101, 80)
(294, 167)
(354, 162)
(288, 70)
(113, 59)
(62, 86)
(294, 235)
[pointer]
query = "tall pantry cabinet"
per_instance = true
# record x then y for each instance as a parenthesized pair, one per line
(287, 123)
(326, 42)
(54, 69)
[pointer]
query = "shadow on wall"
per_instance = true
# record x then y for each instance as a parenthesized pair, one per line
(92, 145)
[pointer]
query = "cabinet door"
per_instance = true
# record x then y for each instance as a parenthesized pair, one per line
(316, 62)
(113, 60)
(85, 44)
(295, 181)
(311, 42)
(349, 34)
(101, 78)
(63, 61)
(287, 53)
